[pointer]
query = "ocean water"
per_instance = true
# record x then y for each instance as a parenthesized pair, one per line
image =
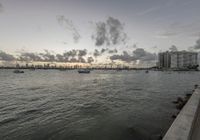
(103, 105)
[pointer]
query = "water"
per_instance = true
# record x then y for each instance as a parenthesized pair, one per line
(103, 105)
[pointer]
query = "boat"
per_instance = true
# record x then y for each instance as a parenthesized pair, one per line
(18, 71)
(146, 71)
(84, 71)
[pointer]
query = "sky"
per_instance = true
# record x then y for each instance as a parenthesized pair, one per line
(128, 26)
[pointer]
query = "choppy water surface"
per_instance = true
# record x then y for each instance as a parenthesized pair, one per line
(103, 105)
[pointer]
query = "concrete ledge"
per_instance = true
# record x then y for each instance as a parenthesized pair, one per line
(182, 126)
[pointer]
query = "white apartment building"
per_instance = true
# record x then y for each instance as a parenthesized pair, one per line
(178, 60)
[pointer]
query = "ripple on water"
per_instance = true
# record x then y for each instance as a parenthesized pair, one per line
(109, 105)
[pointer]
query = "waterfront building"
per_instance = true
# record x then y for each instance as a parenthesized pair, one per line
(178, 60)
(164, 60)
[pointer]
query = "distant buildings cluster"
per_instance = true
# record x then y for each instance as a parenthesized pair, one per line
(179, 60)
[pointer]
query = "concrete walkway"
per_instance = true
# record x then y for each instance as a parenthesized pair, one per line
(195, 135)
(186, 126)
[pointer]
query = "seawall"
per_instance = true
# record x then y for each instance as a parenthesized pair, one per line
(185, 126)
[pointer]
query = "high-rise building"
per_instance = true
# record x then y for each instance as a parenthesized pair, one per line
(178, 60)
(164, 60)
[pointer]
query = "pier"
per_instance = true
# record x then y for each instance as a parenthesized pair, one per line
(186, 126)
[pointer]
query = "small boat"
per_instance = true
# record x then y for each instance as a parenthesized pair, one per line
(84, 71)
(18, 71)
(146, 71)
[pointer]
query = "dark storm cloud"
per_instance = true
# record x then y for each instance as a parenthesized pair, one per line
(173, 48)
(197, 45)
(69, 26)
(6, 57)
(110, 32)
(138, 54)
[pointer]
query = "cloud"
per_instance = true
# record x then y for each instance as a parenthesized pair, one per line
(167, 34)
(141, 54)
(138, 54)
(69, 27)
(197, 45)
(196, 34)
(148, 11)
(6, 57)
(61, 58)
(65, 43)
(26, 56)
(72, 56)
(48, 56)
(110, 32)
(104, 50)
(112, 51)
(100, 36)
(82, 53)
(71, 53)
(90, 60)
(96, 53)
(124, 57)
(134, 46)
(173, 48)
(81, 60)
(180, 29)
(73, 60)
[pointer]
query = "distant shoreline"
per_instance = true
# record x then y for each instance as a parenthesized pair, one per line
(118, 69)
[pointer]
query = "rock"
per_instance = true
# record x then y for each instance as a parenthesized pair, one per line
(196, 86)
(174, 116)
(156, 137)
(179, 99)
(188, 94)
(175, 102)
(179, 106)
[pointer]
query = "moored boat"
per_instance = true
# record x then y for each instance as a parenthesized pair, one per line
(84, 71)
(18, 71)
